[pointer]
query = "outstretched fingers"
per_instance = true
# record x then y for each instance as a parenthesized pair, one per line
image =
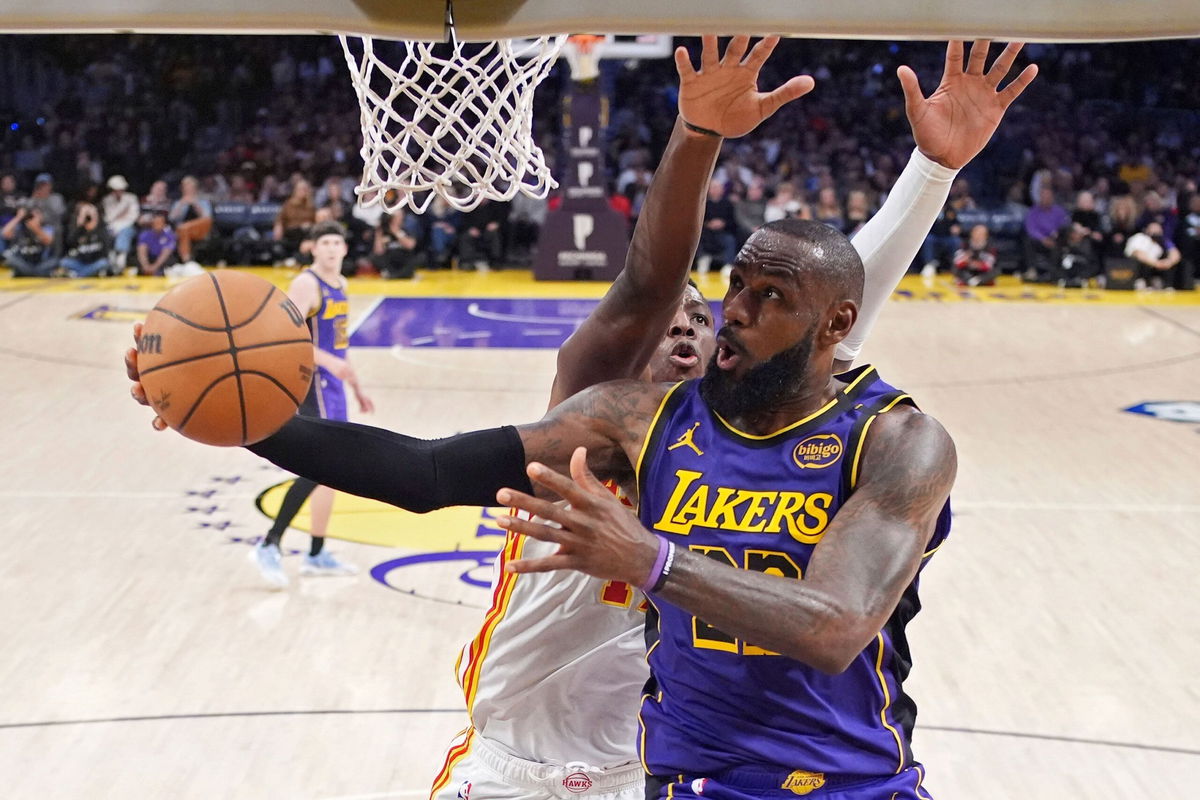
(537, 530)
(735, 50)
(913, 98)
(1014, 89)
(979, 53)
(1003, 63)
(683, 64)
(794, 88)
(546, 564)
(709, 53)
(533, 505)
(954, 60)
(761, 52)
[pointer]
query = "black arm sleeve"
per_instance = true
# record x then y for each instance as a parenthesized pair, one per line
(414, 474)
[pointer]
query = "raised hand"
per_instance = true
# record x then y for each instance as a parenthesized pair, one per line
(722, 96)
(954, 123)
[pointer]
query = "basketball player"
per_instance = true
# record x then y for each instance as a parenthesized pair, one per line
(517, 672)
(320, 293)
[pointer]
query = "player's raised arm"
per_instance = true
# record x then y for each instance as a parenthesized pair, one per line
(866, 558)
(721, 99)
(950, 128)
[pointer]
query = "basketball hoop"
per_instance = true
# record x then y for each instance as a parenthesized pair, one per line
(450, 120)
(583, 52)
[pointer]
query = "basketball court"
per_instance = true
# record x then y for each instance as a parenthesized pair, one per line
(145, 657)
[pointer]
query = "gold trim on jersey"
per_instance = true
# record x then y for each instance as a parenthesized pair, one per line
(921, 779)
(867, 370)
(862, 436)
(637, 468)
(887, 701)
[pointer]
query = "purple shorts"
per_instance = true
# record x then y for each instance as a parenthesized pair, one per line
(326, 398)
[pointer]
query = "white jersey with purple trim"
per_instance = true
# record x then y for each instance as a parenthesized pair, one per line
(556, 672)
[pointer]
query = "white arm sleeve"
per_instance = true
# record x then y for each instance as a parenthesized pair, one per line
(890, 240)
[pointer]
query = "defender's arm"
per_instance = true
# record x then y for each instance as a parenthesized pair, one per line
(619, 337)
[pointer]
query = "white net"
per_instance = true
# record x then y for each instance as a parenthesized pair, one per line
(453, 120)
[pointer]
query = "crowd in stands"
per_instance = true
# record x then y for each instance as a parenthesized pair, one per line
(157, 153)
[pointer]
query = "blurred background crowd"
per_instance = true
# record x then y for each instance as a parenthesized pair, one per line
(159, 154)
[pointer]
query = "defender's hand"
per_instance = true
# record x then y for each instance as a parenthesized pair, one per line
(599, 534)
(131, 369)
(723, 95)
(954, 123)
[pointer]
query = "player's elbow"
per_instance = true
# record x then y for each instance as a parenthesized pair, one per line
(840, 640)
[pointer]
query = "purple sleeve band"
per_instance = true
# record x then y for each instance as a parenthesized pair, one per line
(656, 570)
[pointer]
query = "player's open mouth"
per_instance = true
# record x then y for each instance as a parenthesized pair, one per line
(727, 353)
(684, 355)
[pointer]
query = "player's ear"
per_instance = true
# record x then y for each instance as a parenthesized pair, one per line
(838, 322)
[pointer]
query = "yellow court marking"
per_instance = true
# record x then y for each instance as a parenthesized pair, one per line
(520, 283)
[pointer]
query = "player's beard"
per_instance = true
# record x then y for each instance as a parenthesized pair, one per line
(763, 387)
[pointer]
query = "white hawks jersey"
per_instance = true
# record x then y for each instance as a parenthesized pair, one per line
(556, 672)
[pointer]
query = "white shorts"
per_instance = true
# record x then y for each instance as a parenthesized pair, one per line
(479, 770)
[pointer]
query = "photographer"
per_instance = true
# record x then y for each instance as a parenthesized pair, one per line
(29, 244)
(87, 245)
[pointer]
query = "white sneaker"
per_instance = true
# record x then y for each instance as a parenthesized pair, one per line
(703, 263)
(326, 564)
(929, 270)
(191, 268)
(270, 563)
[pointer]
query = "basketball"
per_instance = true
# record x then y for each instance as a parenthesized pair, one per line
(225, 358)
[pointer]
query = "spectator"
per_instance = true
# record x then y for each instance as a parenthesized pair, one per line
(858, 211)
(10, 198)
(87, 245)
(155, 202)
(942, 242)
(828, 209)
(395, 245)
(49, 202)
(481, 237)
(1189, 237)
(784, 203)
(750, 211)
(1120, 225)
(294, 220)
(975, 263)
(1154, 209)
(29, 244)
(121, 212)
(156, 246)
(718, 237)
(1158, 258)
(332, 197)
(1044, 225)
(525, 219)
(192, 218)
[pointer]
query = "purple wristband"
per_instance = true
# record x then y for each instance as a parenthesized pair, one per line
(656, 571)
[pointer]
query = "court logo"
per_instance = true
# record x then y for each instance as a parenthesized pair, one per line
(577, 783)
(803, 782)
(818, 452)
(1171, 410)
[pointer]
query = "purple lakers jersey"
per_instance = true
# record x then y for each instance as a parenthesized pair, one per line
(328, 323)
(715, 702)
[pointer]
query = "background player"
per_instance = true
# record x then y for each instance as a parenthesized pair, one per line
(940, 128)
(320, 293)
